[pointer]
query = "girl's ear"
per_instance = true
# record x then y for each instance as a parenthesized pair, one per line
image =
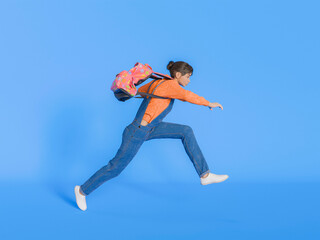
(178, 74)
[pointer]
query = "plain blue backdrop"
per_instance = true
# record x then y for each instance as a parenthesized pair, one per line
(60, 122)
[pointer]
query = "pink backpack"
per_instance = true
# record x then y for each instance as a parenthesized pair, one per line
(124, 86)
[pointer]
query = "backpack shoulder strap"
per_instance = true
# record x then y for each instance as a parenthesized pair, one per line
(151, 95)
(162, 75)
(150, 85)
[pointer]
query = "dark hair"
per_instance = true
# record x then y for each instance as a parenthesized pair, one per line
(179, 66)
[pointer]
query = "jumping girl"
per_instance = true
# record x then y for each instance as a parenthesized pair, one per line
(148, 125)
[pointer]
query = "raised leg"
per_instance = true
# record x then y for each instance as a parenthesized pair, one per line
(186, 134)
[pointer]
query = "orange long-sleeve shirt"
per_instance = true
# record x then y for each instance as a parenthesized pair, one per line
(170, 89)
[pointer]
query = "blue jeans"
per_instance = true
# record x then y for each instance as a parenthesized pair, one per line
(133, 137)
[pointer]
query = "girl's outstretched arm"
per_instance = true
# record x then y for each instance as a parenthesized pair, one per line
(172, 89)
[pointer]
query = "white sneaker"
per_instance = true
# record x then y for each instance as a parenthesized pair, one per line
(213, 178)
(81, 199)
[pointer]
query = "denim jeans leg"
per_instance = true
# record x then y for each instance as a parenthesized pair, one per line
(186, 134)
(128, 149)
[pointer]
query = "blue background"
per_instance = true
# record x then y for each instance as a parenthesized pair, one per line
(60, 122)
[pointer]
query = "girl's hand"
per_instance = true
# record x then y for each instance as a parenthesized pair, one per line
(212, 105)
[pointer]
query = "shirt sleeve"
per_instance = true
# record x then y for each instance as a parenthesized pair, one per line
(172, 89)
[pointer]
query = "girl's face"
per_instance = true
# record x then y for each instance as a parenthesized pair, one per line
(183, 80)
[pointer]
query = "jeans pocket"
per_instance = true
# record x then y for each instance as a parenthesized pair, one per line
(129, 132)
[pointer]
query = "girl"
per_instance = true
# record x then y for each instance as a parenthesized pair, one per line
(148, 125)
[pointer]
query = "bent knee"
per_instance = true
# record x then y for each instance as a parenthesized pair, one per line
(187, 129)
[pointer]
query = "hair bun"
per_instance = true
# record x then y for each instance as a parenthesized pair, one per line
(170, 64)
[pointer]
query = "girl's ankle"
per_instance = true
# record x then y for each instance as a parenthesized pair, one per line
(206, 175)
